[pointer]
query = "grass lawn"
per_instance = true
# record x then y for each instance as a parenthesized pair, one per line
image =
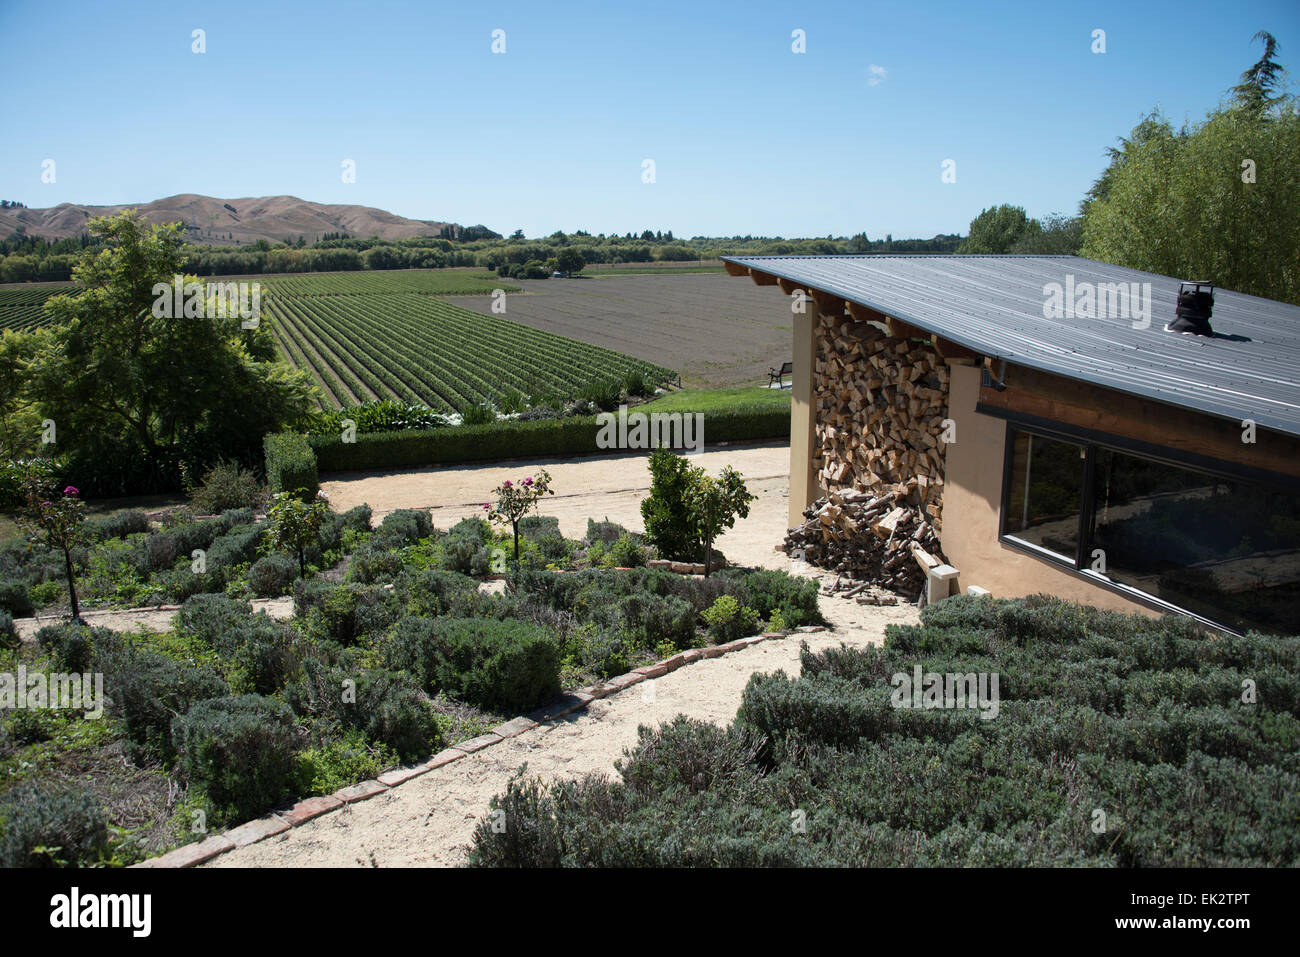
(714, 400)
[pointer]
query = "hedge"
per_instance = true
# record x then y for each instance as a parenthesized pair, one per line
(291, 464)
(507, 439)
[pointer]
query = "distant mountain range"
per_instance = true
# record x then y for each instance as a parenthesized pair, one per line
(211, 221)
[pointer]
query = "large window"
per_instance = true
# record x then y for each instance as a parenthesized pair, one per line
(1220, 547)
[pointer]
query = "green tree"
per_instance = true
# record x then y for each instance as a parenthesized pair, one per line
(714, 504)
(997, 229)
(295, 524)
(570, 260)
(1218, 200)
(1057, 236)
(686, 508)
(1258, 89)
(144, 400)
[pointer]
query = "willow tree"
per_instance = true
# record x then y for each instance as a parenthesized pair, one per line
(1216, 200)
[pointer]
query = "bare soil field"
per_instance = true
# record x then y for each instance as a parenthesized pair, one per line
(716, 330)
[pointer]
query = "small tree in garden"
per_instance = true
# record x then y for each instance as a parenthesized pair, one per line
(514, 501)
(295, 524)
(56, 521)
(714, 504)
(687, 508)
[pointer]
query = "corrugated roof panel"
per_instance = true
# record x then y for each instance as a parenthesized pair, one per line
(995, 305)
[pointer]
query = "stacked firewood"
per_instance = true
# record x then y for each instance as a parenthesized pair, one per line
(881, 405)
(885, 537)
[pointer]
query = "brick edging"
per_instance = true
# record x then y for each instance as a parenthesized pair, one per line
(279, 822)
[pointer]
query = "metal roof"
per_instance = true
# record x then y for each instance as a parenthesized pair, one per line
(995, 306)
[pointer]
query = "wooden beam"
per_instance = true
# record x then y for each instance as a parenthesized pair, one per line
(789, 286)
(903, 330)
(950, 350)
(828, 303)
(735, 269)
(762, 278)
(866, 313)
(1088, 406)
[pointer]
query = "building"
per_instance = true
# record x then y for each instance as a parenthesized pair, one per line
(1063, 439)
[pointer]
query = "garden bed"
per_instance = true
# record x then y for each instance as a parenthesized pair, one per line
(230, 714)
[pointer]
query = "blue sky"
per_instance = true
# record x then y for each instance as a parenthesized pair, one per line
(746, 135)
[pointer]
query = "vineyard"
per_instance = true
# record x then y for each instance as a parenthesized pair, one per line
(387, 335)
(23, 309)
(420, 349)
(431, 282)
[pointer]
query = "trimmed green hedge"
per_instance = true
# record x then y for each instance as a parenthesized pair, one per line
(291, 464)
(509, 439)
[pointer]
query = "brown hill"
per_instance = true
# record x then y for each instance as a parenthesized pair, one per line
(220, 222)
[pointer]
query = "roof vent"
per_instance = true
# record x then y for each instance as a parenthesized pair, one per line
(1195, 303)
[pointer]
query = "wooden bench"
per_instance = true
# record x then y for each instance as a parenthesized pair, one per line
(778, 375)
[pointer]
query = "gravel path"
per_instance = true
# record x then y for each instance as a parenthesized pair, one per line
(430, 820)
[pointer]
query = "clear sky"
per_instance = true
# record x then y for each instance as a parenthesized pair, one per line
(746, 135)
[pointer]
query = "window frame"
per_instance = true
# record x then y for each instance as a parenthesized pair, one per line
(1091, 442)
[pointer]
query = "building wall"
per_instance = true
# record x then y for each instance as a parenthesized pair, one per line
(971, 510)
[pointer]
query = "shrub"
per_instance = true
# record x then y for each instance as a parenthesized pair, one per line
(627, 552)
(636, 384)
(261, 652)
(373, 562)
(667, 518)
(605, 532)
(272, 575)
(118, 525)
(346, 613)
(148, 690)
(397, 715)
(43, 826)
(227, 485)
(291, 465)
(727, 619)
(506, 666)
(357, 518)
(407, 524)
(768, 591)
(667, 618)
(239, 752)
(477, 413)
(512, 439)
(537, 527)
(8, 632)
(387, 707)
(466, 555)
(209, 617)
(72, 645)
(16, 598)
(237, 547)
(336, 763)
(429, 593)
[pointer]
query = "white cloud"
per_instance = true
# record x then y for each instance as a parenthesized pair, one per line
(877, 76)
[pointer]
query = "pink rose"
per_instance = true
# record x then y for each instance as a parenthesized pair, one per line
(529, 480)
(72, 491)
(508, 484)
